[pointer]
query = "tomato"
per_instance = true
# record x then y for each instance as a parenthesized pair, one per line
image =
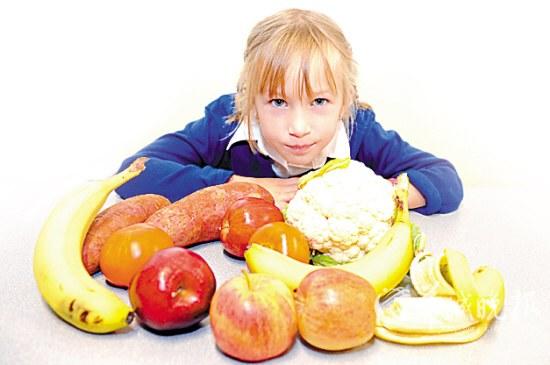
(284, 238)
(242, 219)
(128, 249)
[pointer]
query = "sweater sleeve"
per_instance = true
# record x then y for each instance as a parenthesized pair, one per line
(389, 155)
(184, 161)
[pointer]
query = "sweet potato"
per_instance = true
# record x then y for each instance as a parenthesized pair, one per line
(122, 214)
(198, 216)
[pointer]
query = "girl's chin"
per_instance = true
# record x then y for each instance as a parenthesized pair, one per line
(301, 162)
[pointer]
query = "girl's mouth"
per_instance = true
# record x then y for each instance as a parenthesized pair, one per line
(300, 149)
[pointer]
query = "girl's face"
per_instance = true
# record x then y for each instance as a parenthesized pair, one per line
(299, 128)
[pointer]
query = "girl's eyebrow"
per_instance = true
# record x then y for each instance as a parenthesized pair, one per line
(279, 95)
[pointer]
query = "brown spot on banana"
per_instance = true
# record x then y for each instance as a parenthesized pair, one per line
(84, 316)
(130, 317)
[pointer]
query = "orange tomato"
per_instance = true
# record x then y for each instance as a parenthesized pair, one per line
(283, 237)
(128, 249)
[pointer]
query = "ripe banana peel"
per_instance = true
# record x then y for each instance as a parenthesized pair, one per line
(58, 269)
(469, 334)
(490, 286)
(424, 315)
(384, 267)
(433, 277)
(482, 299)
(427, 278)
(459, 317)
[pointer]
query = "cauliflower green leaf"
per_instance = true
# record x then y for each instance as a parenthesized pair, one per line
(323, 260)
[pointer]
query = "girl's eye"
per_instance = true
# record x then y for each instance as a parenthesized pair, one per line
(278, 103)
(320, 101)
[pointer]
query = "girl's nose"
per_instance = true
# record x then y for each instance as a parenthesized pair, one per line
(299, 126)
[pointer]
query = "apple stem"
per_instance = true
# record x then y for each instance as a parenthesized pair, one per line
(247, 278)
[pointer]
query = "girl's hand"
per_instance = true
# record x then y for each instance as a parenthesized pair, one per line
(283, 190)
(416, 199)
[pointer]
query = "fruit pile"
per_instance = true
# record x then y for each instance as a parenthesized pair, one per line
(141, 244)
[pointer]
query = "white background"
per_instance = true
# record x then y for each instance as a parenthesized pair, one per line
(85, 84)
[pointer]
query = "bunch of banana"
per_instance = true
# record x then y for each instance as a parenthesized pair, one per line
(384, 267)
(58, 269)
(455, 306)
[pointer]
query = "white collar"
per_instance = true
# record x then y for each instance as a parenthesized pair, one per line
(338, 147)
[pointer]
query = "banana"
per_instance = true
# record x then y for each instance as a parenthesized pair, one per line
(426, 276)
(490, 286)
(469, 334)
(432, 277)
(455, 268)
(426, 320)
(424, 315)
(384, 267)
(337, 163)
(59, 272)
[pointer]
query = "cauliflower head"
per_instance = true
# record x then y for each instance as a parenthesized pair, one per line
(345, 212)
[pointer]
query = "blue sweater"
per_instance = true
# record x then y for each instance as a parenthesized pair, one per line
(196, 157)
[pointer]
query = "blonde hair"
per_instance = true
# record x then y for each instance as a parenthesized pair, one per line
(276, 43)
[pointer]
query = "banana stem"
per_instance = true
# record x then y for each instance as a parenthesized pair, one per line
(138, 165)
(247, 278)
(133, 170)
(402, 199)
(338, 163)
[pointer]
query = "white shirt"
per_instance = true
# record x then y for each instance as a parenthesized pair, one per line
(338, 147)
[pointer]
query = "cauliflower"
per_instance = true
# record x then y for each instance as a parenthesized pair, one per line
(344, 212)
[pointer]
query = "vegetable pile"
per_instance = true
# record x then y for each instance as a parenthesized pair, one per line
(344, 212)
(343, 215)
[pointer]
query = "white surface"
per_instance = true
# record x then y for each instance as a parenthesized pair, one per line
(499, 227)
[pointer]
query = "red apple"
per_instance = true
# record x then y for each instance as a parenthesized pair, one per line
(253, 317)
(335, 309)
(241, 220)
(173, 289)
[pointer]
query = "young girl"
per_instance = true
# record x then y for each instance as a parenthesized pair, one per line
(296, 106)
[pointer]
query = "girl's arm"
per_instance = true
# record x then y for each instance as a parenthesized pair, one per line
(416, 199)
(436, 186)
(185, 161)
